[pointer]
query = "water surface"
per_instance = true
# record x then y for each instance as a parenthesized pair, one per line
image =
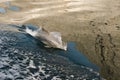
(2, 10)
(22, 57)
(14, 8)
(77, 57)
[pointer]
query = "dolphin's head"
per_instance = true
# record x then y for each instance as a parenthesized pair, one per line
(29, 27)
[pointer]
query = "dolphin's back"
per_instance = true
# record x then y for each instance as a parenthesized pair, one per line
(57, 36)
(51, 39)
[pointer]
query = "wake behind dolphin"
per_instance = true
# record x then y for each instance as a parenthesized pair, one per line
(50, 39)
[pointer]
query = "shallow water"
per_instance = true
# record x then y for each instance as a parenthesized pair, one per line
(2, 10)
(72, 54)
(77, 57)
(14, 8)
(22, 57)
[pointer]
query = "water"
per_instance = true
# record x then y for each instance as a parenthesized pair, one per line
(71, 53)
(77, 57)
(2, 10)
(14, 8)
(22, 57)
(8, 5)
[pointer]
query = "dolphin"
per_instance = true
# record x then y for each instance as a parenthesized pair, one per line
(50, 39)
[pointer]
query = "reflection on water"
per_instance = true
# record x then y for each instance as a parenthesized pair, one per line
(77, 57)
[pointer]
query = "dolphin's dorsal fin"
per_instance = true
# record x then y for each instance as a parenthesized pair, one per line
(57, 35)
(42, 31)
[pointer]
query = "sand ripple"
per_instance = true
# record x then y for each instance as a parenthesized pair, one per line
(37, 9)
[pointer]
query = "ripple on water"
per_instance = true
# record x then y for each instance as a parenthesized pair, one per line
(30, 61)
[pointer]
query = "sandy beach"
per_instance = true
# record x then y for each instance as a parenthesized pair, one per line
(93, 24)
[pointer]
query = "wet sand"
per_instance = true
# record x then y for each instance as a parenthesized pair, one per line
(94, 25)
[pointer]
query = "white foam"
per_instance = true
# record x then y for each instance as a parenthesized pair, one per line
(2, 76)
(29, 31)
(56, 78)
(72, 76)
(48, 75)
(41, 69)
(31, 64)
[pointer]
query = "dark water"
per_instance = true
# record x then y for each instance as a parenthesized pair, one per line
(77, 57)
(23, 58)
(72, 53)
